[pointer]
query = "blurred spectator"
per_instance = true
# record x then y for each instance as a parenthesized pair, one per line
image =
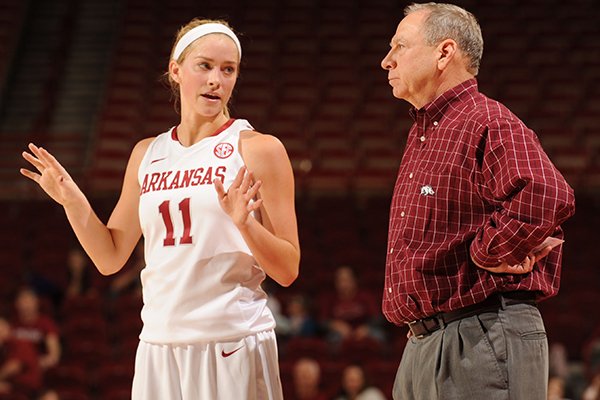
(592, 391)
(281, 321)
(558, 360)
(301, 322)
(127, 281)
(307, 380)
(556, 388)
(274, 304)
(591, 355)
(356, 387)
(297, 321)
(79, 271)
(350, 313)
(39, 329)
(49, 395)
(20, 373)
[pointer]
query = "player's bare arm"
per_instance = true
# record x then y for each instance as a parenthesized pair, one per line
(108, 246)
(274, 240)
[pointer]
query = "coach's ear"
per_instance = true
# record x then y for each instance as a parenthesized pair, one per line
(446, 52)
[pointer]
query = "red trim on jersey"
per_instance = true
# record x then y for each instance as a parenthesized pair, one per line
(225, 126)
(221, 129)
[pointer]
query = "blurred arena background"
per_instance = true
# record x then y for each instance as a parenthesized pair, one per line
(82, 78)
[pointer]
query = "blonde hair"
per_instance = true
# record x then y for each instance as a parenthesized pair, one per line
(174, 86)
(447, 21)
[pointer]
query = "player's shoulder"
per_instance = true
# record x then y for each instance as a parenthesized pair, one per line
(264, 154)
(141, 147)
(262, 143)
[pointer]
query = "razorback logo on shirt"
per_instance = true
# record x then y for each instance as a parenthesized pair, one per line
(427, 190)
(223, 150)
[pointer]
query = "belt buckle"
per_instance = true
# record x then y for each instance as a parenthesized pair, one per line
(422, 335)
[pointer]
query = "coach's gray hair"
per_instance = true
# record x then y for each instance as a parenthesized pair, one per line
(447, 21)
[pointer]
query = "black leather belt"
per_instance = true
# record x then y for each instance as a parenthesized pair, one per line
(423, 327)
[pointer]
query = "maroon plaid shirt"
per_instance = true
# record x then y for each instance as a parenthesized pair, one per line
(473, 180)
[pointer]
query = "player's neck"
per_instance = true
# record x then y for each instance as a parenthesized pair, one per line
(192, 130)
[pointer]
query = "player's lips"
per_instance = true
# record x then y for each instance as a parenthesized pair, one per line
(211, 96)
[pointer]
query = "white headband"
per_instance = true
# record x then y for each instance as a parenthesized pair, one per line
(203, 30)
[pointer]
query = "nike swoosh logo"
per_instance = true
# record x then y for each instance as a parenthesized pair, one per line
(225, 355)
(157, 160)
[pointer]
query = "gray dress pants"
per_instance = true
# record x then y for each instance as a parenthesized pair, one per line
(491, 356)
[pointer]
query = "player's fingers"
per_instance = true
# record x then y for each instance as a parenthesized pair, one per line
(253, 191)
(31, 175)
(246, 182)
(49, 160)
(219, 188)
(238, 179)
(254, 205)
(39, 154)
(34, 149)
(33, 161)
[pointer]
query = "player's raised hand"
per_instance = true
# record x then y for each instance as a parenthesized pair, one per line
(51, 176)
(238, 201)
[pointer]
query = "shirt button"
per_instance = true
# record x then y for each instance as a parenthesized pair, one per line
(422, 138)
(410, 176)
(390, 290)
(402, 214)
(391, 250)
(435, 123)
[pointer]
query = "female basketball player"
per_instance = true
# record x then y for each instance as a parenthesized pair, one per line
(214, 200)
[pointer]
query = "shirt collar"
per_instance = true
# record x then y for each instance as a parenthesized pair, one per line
(434, 110)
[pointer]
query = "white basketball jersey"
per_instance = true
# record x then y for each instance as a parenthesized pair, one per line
(201, 282)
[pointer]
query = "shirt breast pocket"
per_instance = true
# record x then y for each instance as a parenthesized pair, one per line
(436, 206)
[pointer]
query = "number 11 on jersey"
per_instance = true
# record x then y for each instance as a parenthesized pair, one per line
(184, 208)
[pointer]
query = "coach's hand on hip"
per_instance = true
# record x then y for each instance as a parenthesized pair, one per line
(523, 267)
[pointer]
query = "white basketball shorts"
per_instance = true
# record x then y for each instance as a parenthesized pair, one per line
(247, 368)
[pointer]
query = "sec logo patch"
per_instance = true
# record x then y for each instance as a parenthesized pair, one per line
(223, 150)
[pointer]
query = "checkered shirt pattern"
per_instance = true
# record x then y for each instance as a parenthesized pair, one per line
(473, 182)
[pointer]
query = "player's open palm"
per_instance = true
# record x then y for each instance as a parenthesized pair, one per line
(51, 176)
(238, 201)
